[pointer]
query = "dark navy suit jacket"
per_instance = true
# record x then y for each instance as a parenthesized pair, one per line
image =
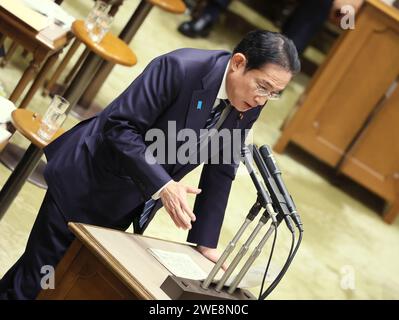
(97, 172)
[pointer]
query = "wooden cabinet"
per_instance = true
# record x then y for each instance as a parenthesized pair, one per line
(348, 115)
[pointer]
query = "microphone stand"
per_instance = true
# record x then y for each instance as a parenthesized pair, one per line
(230, 247)
(282, 207)
(256, 252)
(264, 201)
(262, 221)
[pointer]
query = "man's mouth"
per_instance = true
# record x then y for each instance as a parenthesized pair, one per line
(247, 106)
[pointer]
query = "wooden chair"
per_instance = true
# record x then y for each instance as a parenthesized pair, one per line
(27, 123)
(50, 85)
(111, 49)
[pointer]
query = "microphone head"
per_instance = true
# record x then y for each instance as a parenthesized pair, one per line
(269, 159)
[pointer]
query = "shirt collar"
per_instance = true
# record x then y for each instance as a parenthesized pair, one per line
(222, 94)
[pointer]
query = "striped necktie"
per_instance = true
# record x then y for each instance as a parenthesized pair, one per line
(148, 206)
(215, 114)
(210, 123)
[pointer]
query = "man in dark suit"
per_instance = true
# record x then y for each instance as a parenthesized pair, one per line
(100, 172)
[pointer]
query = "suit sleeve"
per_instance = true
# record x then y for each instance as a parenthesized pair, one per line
(210, 204)
(133, 113)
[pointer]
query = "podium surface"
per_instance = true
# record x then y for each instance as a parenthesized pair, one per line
(103, 263)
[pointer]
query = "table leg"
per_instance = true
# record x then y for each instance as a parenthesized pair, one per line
(39, 79)
(10, 52)
(18, 177)
(2, 39)
(126, 35)
(26, 78)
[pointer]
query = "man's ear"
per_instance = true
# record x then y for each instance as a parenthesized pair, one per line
(238, 61)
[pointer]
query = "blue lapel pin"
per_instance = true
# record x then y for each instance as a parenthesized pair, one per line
(199, 104)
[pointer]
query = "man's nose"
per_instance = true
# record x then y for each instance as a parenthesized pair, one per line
(260, 101)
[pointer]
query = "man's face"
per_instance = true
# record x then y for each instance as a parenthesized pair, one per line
(245, 89)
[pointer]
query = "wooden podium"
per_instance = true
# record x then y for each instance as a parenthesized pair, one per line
(108, 264)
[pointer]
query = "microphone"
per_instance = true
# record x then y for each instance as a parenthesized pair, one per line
(275, 193)
(275, 171)
(262, 193)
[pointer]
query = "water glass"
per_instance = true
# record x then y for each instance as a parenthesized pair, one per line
(53, 118)
(101, 27)
(100, 9)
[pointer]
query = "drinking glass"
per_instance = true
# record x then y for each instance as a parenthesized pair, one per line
(101, 27)
(100, 8)
(53, 118)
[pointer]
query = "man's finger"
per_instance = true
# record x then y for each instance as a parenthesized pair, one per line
(173, 214)
(183, 217)
(188, 210)
(193, 190)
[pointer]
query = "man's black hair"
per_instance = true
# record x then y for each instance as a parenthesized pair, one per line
(261, 47)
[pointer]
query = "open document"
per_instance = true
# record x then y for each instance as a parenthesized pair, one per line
(182, 265)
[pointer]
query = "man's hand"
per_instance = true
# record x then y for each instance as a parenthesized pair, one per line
(211, 254)
(174, 200)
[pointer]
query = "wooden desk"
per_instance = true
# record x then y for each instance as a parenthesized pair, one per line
(41, 49)
(108, 264)
(348, 115)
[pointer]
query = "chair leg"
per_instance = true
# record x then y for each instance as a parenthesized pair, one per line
(18, 177)
(115, 7)
(76, 67)
(39, 79)
(61, 67)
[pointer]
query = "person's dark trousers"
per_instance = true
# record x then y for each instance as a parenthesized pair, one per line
(214, 8)
(47, 244)
(2, 51)
(201, 26)
(306, 20)
(223, 4)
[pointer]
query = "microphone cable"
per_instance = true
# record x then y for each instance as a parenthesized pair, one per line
(268, 262)
(285, 267)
